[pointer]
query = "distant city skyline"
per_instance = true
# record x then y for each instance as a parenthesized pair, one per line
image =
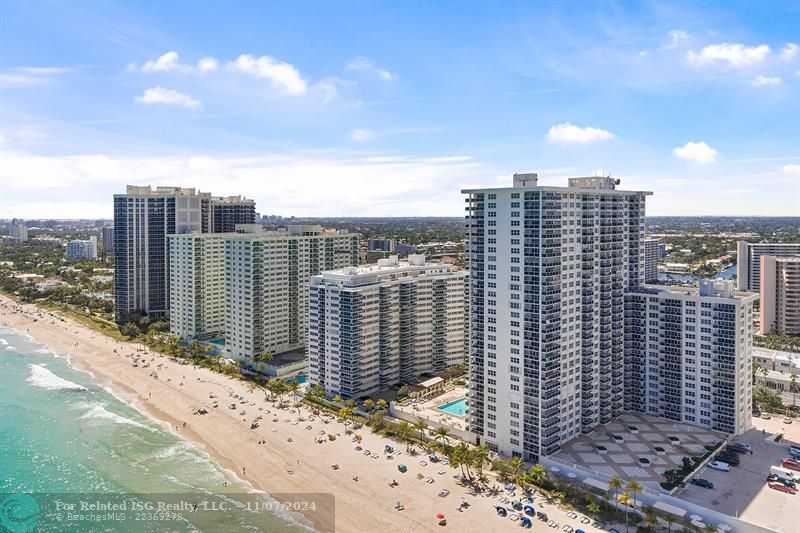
(331, 109)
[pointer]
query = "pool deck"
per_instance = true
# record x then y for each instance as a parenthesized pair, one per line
(429, 409)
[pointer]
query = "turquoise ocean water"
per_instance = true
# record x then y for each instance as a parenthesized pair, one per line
(65, 439)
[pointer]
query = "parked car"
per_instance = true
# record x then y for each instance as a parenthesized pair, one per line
(703, 483)
(719, 465)
(781, 487)
(735, 449)
(765, 416)
(741, 446)
(787, 420)
(787, 482)
(791, 464)
(727, 458)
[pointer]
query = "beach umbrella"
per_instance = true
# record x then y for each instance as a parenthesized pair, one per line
(440, 516)
(501, 510)
(516, 504)
(530, 510)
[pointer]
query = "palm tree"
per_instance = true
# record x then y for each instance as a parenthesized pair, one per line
(793, 388)
(441, 434)
(294, 387)
(515, 464)
(344, 414)
(594, 508)
(462, 453)
(669, 519)
(625, 500)
(651, 519)
(381, 404)
(614, 484)
(479, 457)
(403, 432)
(368, 404)
(337, 399)
(633, 488)
(710, 528)
(421, 425)
(538, 474)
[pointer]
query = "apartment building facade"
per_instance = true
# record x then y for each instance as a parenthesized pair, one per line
(779, 287)
(548, 269)
(652, 253)
(748, 261)
(266, 284)
(143, 218)
(82, 249)
(376, 326)
(688, 355)
(197, 285)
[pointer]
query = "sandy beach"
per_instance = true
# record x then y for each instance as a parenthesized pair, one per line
(283, 455)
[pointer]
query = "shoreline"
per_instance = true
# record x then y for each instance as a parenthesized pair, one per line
(282, 457)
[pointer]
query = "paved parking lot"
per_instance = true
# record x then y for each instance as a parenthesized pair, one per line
(743, 491)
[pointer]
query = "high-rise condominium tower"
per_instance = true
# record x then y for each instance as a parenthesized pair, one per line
(748, 261)
(780, 295)
(688, 355)
(197, 285)
(143, 217)
(651, 256)
(548, 268)
(266, 284)
(376, 326)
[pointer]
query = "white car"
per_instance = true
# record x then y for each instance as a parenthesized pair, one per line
(719, 465)
(744, 445)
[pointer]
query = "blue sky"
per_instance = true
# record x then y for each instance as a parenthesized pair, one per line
(370, 109)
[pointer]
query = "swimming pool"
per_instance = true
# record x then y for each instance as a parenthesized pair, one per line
(302, 378)
(456, 407)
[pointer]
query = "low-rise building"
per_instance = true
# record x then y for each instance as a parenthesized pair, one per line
(49, 285)
(373, 327)
(82, 249)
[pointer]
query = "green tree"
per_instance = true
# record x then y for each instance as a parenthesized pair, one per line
(594, 508)
(403, 430)
(614, 484)
(129, 329)
(421, 425)
(633, 488)
(538, 474)
(368, 404)
(441, 434)
(293, 387)
(382, 405)
(625, 500)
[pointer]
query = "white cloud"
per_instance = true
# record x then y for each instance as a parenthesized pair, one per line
(568, 134)
(282, 76)
(761, 81)
(362, 135)
(170, 62)
(160, 95)
(207, 64)
(166, 63)
(366, 64)
(21, 80)
(676, 37)
(790, 51)
(735, 55)
(302, 184)
(28, 76)
(792, 169)
(698, 152)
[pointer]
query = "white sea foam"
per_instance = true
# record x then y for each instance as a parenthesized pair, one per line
(3, 342)
(42, 377)
(101, 414)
